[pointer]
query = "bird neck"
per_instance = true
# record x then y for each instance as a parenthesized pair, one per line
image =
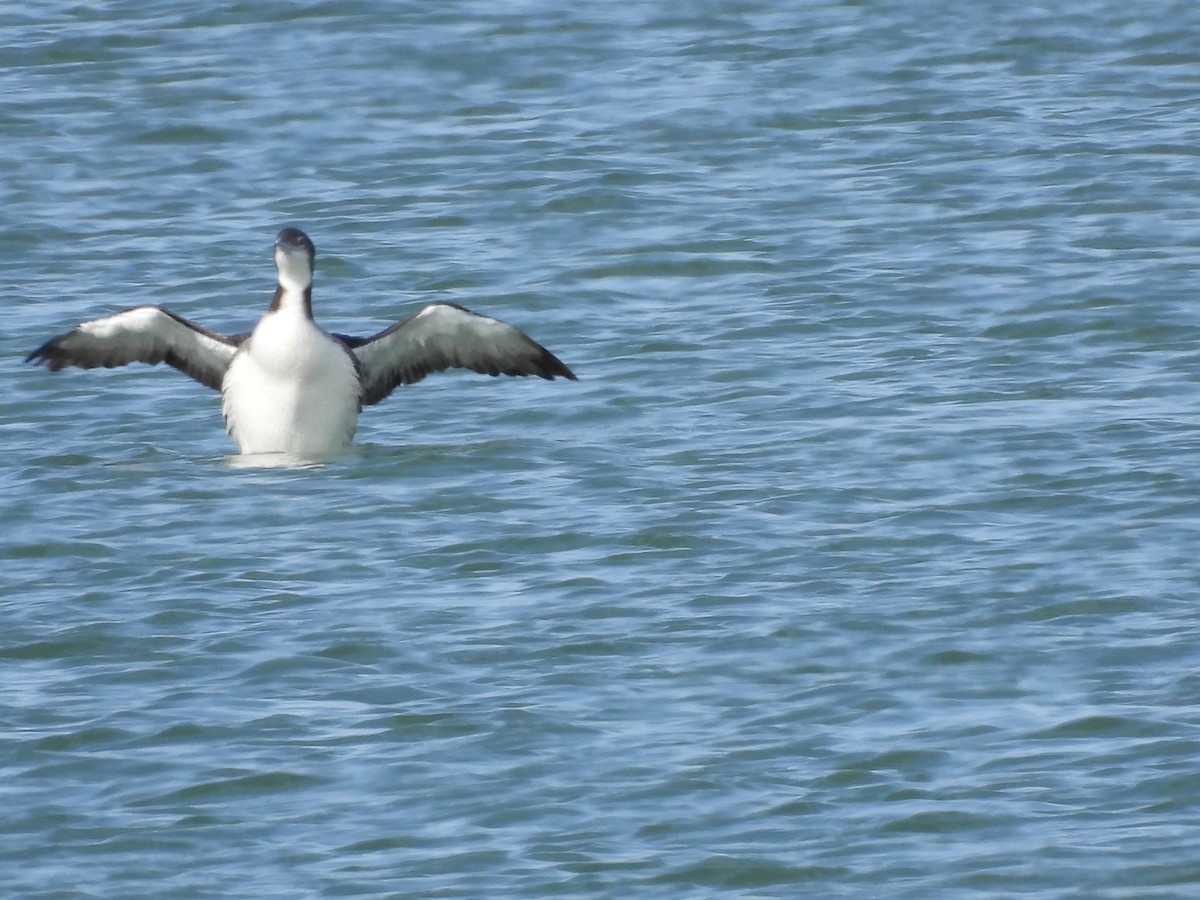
(293, 298)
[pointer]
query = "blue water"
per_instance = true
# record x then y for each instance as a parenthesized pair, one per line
(860, 562)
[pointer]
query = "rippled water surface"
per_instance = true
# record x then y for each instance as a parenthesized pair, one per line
(860, 561)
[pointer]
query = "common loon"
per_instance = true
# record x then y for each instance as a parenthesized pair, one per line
(289, 386)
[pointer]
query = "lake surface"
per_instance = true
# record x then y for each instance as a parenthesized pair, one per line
(860, 561)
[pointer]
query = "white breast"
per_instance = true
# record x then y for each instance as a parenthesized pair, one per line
(291, 389)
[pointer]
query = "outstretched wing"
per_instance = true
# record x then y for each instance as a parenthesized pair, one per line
(442, 336)
(148, 334)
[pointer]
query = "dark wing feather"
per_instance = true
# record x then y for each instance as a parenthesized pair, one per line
(443, 336)
(148, 334)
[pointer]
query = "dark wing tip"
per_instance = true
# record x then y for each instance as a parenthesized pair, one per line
(540, 362)
(552, 367)
(50, 354)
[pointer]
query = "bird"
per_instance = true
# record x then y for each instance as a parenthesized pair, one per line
(289, 386)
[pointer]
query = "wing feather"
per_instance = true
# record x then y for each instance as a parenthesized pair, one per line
(148, 334)
(443, 336)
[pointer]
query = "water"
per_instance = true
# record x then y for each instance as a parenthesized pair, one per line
(859, 562)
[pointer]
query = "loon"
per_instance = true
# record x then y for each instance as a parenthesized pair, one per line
(289, 386)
